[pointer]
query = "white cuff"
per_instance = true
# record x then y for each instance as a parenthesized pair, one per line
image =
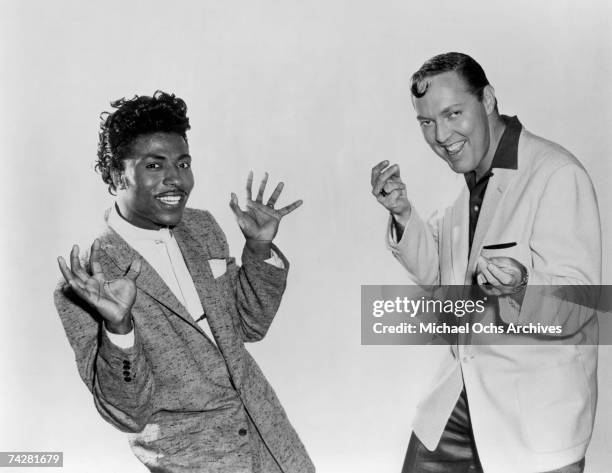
(275, 260)
(124, 341)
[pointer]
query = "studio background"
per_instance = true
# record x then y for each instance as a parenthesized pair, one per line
(315, 93)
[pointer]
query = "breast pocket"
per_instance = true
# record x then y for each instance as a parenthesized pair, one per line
(509, 248)
(218, 267)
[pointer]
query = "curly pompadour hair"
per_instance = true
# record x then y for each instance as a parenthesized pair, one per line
(134, 117)
(465, 66)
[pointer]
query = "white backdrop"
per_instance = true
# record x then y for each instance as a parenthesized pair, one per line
(316, 93)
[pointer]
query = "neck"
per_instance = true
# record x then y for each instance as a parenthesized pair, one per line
(133, 219)
(496, 130)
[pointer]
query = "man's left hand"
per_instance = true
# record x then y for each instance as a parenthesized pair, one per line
(500, 275)
(259, 222)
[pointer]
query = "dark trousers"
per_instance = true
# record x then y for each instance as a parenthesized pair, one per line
(456, 452)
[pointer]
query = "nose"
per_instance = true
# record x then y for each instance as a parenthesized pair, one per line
(442, 132)
(172, 176)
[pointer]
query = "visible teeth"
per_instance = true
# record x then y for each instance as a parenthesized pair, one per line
(455, 147)
(170, 200)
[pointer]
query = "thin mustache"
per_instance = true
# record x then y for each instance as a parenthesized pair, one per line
(172, 192)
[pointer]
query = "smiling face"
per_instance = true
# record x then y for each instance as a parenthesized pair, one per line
(455, 123)
(152, 190)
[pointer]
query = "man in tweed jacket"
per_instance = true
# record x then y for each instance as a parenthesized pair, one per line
(158, 313)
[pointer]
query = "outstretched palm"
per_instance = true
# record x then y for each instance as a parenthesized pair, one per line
(260, 222)
(113, 299)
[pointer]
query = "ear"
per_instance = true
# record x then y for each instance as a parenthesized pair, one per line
(488, 99)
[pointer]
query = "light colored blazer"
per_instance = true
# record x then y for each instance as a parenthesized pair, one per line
(532, 407)
(188, 407)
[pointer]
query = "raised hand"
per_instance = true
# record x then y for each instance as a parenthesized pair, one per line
(390, 191)
(113, 299)
(260, 222)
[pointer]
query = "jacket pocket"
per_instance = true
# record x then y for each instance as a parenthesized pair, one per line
(556, 411)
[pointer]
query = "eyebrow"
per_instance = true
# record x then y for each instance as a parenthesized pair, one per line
(445, 110)
(161, 157)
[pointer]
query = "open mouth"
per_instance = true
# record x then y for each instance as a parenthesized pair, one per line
(171, 200)
(453, 150)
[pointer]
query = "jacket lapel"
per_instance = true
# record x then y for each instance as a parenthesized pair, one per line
(196, 253)
(148, 281)
(459, 245)
(496, 189)
(195, 256)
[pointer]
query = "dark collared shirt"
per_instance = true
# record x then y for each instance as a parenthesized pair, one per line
(506, 157)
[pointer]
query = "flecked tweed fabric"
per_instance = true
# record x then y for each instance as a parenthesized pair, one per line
(188, 406)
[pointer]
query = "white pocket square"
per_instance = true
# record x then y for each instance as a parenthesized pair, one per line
(217, 267)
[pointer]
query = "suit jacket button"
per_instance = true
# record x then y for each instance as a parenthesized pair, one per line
(128, 379)
(242, 432)
(126, 373)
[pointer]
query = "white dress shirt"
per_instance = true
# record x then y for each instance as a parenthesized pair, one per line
(160, 249)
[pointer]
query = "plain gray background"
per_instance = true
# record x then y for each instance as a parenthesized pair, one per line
(316, 93)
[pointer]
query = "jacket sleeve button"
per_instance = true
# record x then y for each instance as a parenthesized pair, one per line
(242, 432)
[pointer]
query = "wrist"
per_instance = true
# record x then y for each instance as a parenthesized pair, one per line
(399, 223)
(122, 327)
(518, 293)
(260, 248)
(520, 287)
(401, 218)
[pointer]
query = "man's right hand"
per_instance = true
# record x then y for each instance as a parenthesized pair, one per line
(390, 191)
(113, 299)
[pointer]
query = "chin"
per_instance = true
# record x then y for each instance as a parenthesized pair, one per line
(458, 168)
(461, 166)
(169, 220)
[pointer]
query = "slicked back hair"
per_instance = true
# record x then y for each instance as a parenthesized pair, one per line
(466, 67)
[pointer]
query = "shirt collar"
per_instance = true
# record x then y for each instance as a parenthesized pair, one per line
(131, 232)
(506, 154)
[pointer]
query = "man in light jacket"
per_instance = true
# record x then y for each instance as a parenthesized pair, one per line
(530, 205)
